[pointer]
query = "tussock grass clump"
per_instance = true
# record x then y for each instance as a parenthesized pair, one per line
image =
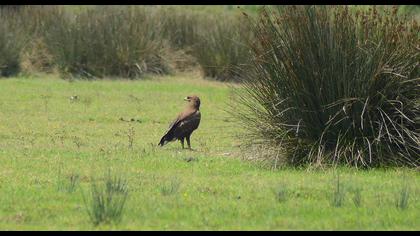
(25, 29)
(37, 21)
(12, 40)
(107, 200)
(221, 48)
(108, 41)
(36, 58)
(333, 87)
(123, 41)
(178, 25)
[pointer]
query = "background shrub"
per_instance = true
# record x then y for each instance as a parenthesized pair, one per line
(131, 41)
(108, 41)
(179, 25)
(12, 40)
(222, 46)
(37, 21)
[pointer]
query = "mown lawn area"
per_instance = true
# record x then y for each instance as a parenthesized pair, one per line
(115, 125)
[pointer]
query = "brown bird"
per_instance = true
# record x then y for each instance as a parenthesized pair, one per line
(186, 122)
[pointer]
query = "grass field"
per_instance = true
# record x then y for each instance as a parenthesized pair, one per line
(46, 138)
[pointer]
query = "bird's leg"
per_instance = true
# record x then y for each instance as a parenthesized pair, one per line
(182, 142)
(188, 142)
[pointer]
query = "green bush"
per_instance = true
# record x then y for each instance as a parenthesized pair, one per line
(107, 41)
(124, 41)
(37, 21)
(12, 40)
(332, 87)
(179, 25)
(219, 46)
(222, 46)
(411, 10)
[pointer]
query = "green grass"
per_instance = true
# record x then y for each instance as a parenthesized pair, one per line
(45, 139)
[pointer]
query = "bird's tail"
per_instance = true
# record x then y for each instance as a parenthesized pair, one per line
(168, 137)
(163, 141)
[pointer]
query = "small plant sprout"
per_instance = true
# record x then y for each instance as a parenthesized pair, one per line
(68, 184)
(281, 193)
(46, 99)
(402, 197)
(73, 181)
(107, 200)
(357, 197)
(171, 187)
(338, 194)
(130, 134)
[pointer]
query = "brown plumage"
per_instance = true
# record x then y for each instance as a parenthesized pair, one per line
(186, 122)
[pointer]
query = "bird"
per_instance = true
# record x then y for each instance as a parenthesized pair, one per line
(74, 98)
(184, 125)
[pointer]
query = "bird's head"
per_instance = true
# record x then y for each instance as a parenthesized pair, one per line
(193, 101)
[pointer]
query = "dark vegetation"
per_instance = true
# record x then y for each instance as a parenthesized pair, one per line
(334, 87)
(115, 41)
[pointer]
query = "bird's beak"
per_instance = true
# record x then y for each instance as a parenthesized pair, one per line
(186, 99)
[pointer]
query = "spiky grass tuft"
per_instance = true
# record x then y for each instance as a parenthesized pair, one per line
(333, 87)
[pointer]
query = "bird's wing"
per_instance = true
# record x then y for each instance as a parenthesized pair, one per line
(182, 119)
(173, 123)
(186, 122)
(190, 121)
